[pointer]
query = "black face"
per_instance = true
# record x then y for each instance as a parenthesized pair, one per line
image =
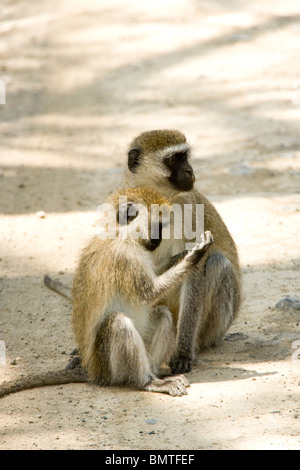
(126, 213)
(155, 239)
(182, 176)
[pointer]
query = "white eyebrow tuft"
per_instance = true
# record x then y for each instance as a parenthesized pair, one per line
(177, 148)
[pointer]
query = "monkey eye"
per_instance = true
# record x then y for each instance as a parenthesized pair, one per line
(171, 160)
(181, 156)
(176, 157)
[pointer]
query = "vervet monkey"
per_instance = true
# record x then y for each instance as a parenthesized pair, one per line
(210, 295)
(122, 331)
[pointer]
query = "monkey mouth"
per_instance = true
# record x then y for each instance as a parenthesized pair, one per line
(186, 185)
(183, 181)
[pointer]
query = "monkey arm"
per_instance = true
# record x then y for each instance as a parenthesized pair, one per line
(182, 264)
(176, 259)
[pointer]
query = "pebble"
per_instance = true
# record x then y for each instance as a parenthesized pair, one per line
(288, 303)
(236, 337)
(15, 361)
(40, 214)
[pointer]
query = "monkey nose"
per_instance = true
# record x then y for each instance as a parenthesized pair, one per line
(191, 173)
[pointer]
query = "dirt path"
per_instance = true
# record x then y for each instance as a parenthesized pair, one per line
(82, 79)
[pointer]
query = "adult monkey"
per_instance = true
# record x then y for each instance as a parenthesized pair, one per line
(210, 296)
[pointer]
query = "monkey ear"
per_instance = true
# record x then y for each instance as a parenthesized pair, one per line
(134, 158)
(126, 213)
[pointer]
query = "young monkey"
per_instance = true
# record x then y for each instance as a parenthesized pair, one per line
(123, 334)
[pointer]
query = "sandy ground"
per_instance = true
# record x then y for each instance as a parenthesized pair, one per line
(82, 79)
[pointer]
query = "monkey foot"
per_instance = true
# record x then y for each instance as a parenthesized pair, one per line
(74, 362)
(175, 385)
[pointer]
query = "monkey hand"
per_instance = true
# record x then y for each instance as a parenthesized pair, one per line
(180, 364)
(199, 250)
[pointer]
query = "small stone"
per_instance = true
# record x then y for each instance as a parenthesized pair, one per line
(14, 361)
(40, 214)
(236, 337)
(151, 421)
(288, 303)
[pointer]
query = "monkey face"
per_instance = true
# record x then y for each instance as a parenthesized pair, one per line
(155, 238)
(181, 173)
(142, 223)
(175, 165)
(132, 220)
(126, 213)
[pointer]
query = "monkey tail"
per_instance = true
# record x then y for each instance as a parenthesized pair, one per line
(58, 287)
(77, 375)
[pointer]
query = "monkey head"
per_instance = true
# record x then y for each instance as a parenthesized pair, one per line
(140, 214)
(160, 158)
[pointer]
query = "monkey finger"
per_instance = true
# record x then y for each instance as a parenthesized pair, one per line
(179, 378)
(208, 237)
(183, 380)
(180, 365)
(168, 385)
(176, 391)
(175, 388)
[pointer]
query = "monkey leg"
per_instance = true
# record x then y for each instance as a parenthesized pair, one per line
(209, 302)
(163, 336)
(221, 301)
(123, 359)
(120, 356)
